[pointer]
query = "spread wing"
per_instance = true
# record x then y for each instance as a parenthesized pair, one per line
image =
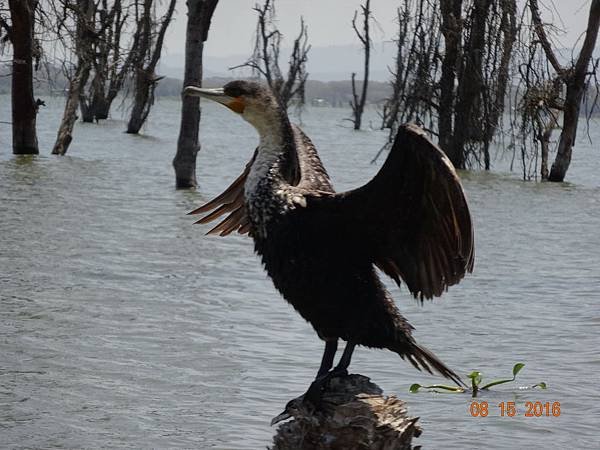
(412, 218)
(230, 201)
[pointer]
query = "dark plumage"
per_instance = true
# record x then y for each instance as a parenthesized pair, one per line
(321, 248)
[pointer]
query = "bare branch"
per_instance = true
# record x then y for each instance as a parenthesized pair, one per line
(541, 33)
(264, 60)
(358, 103)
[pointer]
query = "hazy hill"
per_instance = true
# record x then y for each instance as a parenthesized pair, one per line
(336, 93)
(324, 63)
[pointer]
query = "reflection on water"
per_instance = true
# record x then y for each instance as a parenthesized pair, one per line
(122, 325)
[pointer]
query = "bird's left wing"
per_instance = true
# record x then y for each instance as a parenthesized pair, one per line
(229, 201)
(412, 219)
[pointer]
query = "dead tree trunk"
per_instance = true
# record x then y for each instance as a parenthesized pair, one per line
(470, 85)
(65, 130)
(24, 108)
(494, 96)
(89, 102)
(100, 106)
(103, 46)
(452, 26)
(109, 69)
(508, 28)
(143, 99)
(145, 79)
(574, 79)
(117, 73)
(353, 415)
(358, 103)
(198, 23)
(87, 105)
(575, 90)
(544, 132)
(84, 11)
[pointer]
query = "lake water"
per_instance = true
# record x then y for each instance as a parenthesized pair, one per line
(123, 326)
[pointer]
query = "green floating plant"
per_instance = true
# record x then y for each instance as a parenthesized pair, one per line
(476, 378)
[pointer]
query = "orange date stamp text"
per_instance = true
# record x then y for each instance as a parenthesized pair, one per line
(509, 409)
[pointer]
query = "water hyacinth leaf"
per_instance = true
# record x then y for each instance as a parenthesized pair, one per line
(517, 368)
(474, 374)
(475, 377)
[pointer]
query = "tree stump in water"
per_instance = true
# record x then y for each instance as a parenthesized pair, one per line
(353, 414)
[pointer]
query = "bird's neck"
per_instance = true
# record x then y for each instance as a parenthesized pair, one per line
(274, 169)
(277, 158)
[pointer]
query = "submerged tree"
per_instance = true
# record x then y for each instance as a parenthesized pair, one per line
(573, 78)
(264, 61)
(414, 86)
(549, 95)
(481, 81)
(109, 65)
(24, 107)
(456, 86)
(452, 30)
(358, 101)
(77, 25)
(452, 72)
(200, 13)
(146, 56)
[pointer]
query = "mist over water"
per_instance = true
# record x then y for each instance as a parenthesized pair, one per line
(122, 325)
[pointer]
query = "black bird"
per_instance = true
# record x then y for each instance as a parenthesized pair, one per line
(322, 248)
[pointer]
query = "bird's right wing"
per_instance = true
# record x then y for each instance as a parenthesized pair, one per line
(411, 220)
(229, 201)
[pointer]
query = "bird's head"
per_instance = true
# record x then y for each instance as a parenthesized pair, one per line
(253, 101)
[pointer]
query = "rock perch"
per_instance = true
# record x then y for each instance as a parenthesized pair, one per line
(353, 414)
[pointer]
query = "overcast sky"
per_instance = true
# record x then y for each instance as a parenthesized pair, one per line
(329, 23)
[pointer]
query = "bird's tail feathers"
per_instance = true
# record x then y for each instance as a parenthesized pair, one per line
(422, 358)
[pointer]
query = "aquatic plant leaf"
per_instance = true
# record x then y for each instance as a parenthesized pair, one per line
(517, 368)
(497, 382)
(476, 378)
(414, 388)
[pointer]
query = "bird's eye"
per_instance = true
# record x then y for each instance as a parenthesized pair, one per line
(235, 91)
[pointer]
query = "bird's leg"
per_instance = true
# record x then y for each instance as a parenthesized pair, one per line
(317, 387)
(315, 391)
(328, 355)
(342, 368)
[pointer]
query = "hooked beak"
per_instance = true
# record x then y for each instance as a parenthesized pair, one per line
(236, 104)
(281, 417)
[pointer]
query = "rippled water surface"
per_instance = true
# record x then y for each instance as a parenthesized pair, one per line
(122, 325)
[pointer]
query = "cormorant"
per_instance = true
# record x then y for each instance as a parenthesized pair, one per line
(321, 248)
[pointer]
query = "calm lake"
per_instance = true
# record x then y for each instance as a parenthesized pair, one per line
(123, 326)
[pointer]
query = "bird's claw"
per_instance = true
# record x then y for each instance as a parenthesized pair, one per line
(316, 389)
(340, 373)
